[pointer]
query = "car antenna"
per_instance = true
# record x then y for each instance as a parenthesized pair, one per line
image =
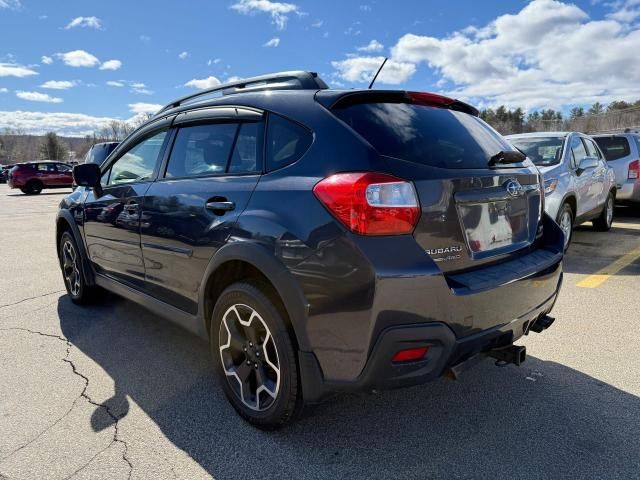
(378, 72)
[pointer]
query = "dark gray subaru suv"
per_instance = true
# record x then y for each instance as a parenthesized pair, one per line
(321, 241)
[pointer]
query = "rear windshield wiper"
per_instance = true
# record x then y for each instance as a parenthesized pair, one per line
(510, 156)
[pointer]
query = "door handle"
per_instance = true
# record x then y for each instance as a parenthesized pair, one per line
(221, 206)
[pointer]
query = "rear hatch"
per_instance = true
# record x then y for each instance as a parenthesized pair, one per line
(480, 199)
(617, 150)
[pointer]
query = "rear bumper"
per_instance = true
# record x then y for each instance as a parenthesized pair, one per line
(445, 351)
(628, 191)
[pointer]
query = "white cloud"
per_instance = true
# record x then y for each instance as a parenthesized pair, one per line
(274, 42)
(214, 61)
(141, 107)
(203, 83)
(78, 58)
(362, 70)
(317, 24)
(183, 55)
(111, 65)
(139, 87)
(46, 60)
(365, 8)
(37, 97)
(547, 55)
(10, 4)
(90, 22)
(58, 84)
(279, 11)
(15, 70)
(373, 46)
(144, 38)
(67, 124)
(625, 11)
(114, 83)
(4, 90)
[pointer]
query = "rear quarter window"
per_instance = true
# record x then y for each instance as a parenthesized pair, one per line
(286, 142)
(428, 135)
(613, 147)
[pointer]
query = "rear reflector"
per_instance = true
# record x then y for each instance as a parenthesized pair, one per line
(634, 170)
(410, 355)
(370, 203)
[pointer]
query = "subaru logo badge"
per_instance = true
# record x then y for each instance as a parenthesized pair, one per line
(513, 188)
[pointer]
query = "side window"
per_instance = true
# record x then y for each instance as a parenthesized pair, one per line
(138, 163)
(577, 151)
(46, 167)
(63, 168)
(286, 142)
(201, 150)
(247, 149)
(592, 151)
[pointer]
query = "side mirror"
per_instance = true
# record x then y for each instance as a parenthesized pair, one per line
(588, 162)
(87, 175)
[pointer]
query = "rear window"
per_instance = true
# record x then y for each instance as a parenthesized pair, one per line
(432, 136)
(613, 147)
(542, 151)
(286, 142)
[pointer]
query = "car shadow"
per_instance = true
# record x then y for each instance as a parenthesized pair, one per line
(542, 420)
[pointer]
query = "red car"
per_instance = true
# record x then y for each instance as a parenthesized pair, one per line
(32, 177)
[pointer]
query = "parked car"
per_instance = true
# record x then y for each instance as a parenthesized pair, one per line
(622, 151)
(322, 241)
(33, 177)
(578, 184)
(4, 172)
(99, 152)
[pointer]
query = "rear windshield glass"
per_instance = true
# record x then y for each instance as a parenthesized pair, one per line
(541, 150)
(432, 136)
(613, 147)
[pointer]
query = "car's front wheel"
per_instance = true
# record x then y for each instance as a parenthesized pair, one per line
(254, 356)
(565, 220)
(33, 187)
(71, 266)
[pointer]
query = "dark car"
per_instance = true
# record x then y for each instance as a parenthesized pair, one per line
(33, 177)
(4, 172)
(99, 152)
(322, 241)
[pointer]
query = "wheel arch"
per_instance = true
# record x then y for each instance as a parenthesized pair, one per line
(64, 223)
(571, 199)
(241, 261)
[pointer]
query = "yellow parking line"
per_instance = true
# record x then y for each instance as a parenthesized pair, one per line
(598, 278)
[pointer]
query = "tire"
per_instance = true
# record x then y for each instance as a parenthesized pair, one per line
(565, 220)
(73, 272)
(604, 221)
(255, 359)
(33, 187)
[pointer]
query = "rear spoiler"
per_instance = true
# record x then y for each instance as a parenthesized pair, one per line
(341, 99)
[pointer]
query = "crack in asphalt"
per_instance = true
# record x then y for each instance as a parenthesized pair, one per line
(30, 298)
(116, 433)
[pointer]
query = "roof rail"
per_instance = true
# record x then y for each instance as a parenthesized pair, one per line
(294, 80)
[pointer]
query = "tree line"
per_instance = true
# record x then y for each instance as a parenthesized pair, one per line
(598, 118)
(16, 145)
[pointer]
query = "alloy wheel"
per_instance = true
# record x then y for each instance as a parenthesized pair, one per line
(565, 225)
(249, 357)
(71, 268)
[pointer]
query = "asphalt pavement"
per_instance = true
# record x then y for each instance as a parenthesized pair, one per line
(112, 392)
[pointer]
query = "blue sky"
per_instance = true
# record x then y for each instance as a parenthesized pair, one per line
(102, 60)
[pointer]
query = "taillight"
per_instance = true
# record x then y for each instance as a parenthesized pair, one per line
(410, 355)
(634, 170)
(370, 203)
(430, 99)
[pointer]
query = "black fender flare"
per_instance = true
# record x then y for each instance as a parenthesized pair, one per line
(280, 277)
(87, 270)
(564, 200)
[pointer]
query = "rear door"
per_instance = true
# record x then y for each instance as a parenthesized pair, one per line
(585, 192)
(190, 212)
(472, 213)
(112, 215)
(64, 176)
(599, 174)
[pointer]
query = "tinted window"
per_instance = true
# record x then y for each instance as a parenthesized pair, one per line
(431, 136)
(138, 163)
(286, 142)
(46, 167)
(541, 150)
(64, 168)
(577, 150)
(202, 150)
(613, 147)
(245, 154)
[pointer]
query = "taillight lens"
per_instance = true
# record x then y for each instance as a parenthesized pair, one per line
(370, 203)
(430, 99)
(634, 170)
(410, 355)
